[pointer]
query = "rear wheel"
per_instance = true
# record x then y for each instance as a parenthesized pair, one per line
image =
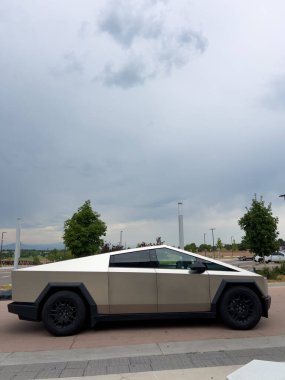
(240, 308)
(64, 313)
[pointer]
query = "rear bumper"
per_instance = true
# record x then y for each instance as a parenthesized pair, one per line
(27, 311)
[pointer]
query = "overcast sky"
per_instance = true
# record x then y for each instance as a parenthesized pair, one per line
(136, 105)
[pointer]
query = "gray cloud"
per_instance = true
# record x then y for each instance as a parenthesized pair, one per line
(145, 28)
(275, 96)
(190, 37)
(70, 65)
(132, 74)
(125, 21)
(83, 29)
(195, 137)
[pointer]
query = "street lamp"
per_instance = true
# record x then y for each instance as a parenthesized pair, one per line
(282, 196)
(205, 243)
(212, 229)
(180, 226)
(1, 247)
(232, 245)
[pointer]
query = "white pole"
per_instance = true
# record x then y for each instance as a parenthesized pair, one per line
(18, 244)
(121, 238)
(180, 226)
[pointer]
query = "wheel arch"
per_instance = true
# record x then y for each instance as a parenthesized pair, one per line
(226, 284)
(76, 287)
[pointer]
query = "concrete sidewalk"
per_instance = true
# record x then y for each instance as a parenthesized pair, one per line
(210, 373)
(207, 359)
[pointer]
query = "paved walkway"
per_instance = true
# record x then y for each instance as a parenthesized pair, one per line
(145, 359)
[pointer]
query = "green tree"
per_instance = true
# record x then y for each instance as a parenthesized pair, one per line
(158, 241)
(36, 260)
(191, 247)
(204, 247)
(260, 228)
(219, 244)
(243, 245)
(59, 255)
(281, 242)
(83, 232)
(234, 246)
(108, 247)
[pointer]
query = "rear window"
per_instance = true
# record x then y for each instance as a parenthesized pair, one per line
(135, 259)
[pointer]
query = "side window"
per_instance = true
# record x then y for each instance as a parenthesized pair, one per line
(135, 259)
(168, 259)
(214, 266)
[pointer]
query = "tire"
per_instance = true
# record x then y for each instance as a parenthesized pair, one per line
(240, 308)
(64, 313)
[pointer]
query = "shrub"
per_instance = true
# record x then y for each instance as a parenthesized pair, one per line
(36, 260)
(272, 273)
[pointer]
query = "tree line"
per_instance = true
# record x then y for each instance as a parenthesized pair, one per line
(84, 231)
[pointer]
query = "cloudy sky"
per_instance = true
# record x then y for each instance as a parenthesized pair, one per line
(136, 105)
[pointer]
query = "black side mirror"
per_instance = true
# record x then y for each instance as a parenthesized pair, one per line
(197, 267)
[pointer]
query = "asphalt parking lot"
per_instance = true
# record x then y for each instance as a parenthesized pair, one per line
(19, 335)
(157, 350)
(152, 348)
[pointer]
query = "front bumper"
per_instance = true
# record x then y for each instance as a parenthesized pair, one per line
(27, 311)
(266, 303)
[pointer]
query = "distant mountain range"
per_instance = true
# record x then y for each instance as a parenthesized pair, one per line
(39, 247)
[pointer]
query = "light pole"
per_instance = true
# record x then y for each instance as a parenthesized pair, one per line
(282, 196)
(205, 243)
(180, 226)
(2, 236)
(212, 229)
(232, 245)
(18, 244)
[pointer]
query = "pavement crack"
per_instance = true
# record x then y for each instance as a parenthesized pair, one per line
(73, 341)
(160, 348)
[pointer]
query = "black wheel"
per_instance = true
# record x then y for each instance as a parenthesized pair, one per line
(64, 313)
(240, 308)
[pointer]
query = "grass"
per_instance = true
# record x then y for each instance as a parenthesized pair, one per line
(6, 287)
(276, 273)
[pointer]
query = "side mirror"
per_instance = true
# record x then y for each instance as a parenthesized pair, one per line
(197, 267)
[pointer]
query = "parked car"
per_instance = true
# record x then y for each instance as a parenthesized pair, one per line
(245, 258)
(259, 259)
(275, 257)
(143, 283)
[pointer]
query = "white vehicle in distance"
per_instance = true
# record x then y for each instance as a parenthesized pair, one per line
(275, 257)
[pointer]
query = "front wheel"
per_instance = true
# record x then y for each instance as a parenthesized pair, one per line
(240, 308)
(64, 313)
